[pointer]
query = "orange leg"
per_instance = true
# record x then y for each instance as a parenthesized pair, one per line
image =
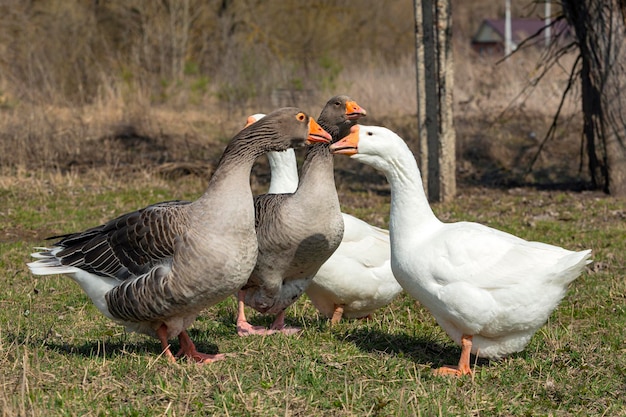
(189, 350)
(243, 327)
(464, 363)
(279, 325)
(337, 314)
(162, 334)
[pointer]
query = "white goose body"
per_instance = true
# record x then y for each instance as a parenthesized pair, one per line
(489, 290)
(357, 279)
(155, 269)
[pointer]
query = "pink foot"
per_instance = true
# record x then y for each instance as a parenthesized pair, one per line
(188, 349)
(243, 327)
(290, 330)
(202, 358)
(246, 329)
(279, 325)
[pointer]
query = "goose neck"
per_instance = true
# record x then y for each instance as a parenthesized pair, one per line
(317, 168)
(231, 179)
(410, 209)
(283, 172)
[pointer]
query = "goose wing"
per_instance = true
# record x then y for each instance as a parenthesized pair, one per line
(268, 210)
(491, 259)
(127, 246)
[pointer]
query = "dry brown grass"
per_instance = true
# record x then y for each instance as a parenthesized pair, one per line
(77, 95)
(497, 133)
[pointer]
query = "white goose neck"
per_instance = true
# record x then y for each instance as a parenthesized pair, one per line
(283, 171)
(409, 206)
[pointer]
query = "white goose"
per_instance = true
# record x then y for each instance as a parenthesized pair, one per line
(155, 269)
(357, 279)
(489, 290)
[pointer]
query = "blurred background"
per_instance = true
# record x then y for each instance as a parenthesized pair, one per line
(163, 84)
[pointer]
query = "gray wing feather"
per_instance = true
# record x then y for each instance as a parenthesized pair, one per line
(129, 245)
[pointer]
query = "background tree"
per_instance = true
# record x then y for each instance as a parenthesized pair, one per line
(600, 33)
(434, 73)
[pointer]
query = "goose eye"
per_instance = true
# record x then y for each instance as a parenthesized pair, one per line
(370, 134)
(301, 116)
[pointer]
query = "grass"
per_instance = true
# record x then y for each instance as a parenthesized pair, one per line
(64, 154)
(59, 356)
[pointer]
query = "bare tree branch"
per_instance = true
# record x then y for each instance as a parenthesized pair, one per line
(551, 131)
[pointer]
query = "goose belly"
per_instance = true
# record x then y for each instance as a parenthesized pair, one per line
(222, 270)
(361, 290)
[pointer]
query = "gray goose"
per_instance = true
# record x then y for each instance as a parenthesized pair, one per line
(297, 232)
(357, 279)
(153, 270)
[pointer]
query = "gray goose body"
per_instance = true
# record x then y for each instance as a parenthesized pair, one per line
(155, 269)
(298, 232)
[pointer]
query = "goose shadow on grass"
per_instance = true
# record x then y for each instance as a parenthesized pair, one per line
(109, 347)
(420, 350)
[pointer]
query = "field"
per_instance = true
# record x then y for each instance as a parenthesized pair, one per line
(116, 123)
(65, 169)
(59, 356)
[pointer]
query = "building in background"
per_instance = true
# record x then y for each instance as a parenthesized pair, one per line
(490, 36)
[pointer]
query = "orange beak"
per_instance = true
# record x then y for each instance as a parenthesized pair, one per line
(349, 145)
(316, 133)
(249, 121)
(354, 111)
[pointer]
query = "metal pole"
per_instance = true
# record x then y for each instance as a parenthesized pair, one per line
(507, 28)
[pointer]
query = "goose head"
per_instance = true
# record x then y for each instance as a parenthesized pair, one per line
(372, 145)
(290, 128)
(339, 114)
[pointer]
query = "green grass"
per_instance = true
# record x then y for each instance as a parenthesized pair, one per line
(60, 357)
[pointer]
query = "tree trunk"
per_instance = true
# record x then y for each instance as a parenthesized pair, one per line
(421, 94)
(445, 75)
(434, 98)
(600, 30)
